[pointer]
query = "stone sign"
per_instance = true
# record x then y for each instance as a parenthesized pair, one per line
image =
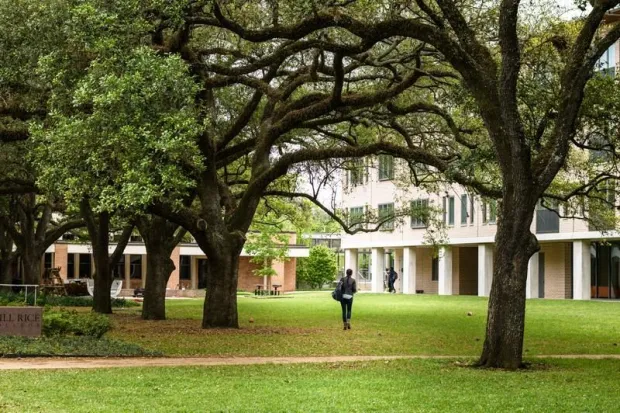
(21, 321)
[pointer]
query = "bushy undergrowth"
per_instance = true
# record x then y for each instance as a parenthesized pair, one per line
(65, 323)
(17, 299)
(83, 346)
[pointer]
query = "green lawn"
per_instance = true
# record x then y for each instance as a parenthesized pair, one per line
(309, 324)
(405, 385)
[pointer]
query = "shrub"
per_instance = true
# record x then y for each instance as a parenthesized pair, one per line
(319, 268)
(82, 346)
(64, 322)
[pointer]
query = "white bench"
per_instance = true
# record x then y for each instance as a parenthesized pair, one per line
(115, 290)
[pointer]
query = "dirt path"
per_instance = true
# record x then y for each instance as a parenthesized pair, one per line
(94, 363)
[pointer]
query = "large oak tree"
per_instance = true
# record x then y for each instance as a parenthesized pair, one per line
(490, 63)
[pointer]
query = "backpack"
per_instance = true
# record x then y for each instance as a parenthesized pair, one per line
(337, 293)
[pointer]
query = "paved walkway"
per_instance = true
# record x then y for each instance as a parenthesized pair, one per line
(40, 363)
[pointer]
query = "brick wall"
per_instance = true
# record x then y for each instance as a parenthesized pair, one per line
(285, 275)
(557, 269)
(61, 259)
(455, 270)
(247, 279)
(290, 274)
(468, 271)
(424, 271)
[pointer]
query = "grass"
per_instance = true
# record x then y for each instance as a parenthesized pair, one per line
(404, 385)
(309, 324)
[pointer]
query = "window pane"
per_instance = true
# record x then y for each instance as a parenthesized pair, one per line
(71, 266)
(356, 217)
(435, 270)
(85, 266)
(464, 209)
(419, 213)
(444, 210)
(386, 170)
(451, 211)
(493, 211)
(547, 221)
(358, 172)
(386, 211)
(136, 267)
(185, 270)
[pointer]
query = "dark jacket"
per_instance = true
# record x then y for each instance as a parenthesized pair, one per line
(349, 285)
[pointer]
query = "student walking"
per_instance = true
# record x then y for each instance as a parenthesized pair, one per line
(392, 279)
(349, 287)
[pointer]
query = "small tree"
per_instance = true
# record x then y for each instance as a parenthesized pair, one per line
(266, 245)
(319, 268)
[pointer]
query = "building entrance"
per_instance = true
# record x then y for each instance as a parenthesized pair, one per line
(605, 270)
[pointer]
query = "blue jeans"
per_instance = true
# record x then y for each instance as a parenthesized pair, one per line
(346, 304)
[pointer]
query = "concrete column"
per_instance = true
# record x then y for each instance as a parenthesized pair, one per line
(581, 270)
(445, 271)
(350, 261)
(398, 267)
(531, 288)
(76, 266)
(127, 271)
(143, 275)
(194, 272)
(377, 265)
(409, 270)
(485, 269)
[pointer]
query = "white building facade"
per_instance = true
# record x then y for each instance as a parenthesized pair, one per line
(573, 262)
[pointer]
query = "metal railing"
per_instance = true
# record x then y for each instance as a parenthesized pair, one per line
(25, 286)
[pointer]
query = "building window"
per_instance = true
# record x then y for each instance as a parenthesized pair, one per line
(472, 211)
(48, 261)
(489, 212)
(419, 213)
(358, 172)
(185, 262)
(435, 270)
(547, 220)
(135, 269)
(85, 270)
(492, 211)
(607, 63)
(464, 209)
(386, 167)
(119, 270)
(448, 210)
(356, 217)
(71, 266)
(386, 216)
(320, 241)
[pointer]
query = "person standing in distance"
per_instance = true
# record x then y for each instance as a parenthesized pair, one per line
(349, 287)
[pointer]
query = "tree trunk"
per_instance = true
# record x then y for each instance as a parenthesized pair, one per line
(102, 301)
(159, 267)
(160, 238)
(514, 245)
(6, 276)
(220, 308)
(32, 268)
